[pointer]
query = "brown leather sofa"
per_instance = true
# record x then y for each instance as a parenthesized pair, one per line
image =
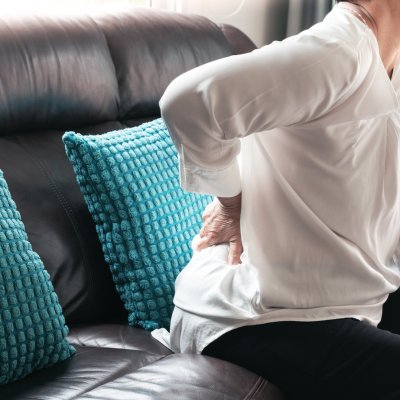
(95, 73)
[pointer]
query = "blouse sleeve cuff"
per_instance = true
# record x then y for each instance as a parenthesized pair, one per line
(221, 183)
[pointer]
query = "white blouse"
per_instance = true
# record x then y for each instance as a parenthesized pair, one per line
(316, 121)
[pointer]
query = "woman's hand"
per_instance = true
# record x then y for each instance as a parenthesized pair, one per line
(221, 224)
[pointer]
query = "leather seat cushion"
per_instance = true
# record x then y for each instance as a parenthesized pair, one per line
(120, 362)
(116, 336)
(183, 377)
(91, 367)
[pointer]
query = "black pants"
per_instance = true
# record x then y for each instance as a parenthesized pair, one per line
(337, 359)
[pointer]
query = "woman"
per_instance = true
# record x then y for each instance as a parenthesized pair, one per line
(299, 250)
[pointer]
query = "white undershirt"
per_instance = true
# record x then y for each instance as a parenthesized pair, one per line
(316, 121)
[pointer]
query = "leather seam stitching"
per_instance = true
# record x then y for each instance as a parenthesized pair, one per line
(112, 380)
(70, 215)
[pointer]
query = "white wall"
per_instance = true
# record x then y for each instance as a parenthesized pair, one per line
(262, 20)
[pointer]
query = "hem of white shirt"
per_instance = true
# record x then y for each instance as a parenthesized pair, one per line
(372, 317)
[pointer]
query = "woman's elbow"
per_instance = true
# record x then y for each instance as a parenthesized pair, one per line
(176, 98)
(168, 101)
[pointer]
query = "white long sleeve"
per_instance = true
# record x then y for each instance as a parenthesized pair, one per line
(209, 108)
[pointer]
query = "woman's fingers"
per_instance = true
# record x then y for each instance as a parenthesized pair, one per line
(221, 224)
(208, 210)
(203, 243)
(235, 247)
(235, 251)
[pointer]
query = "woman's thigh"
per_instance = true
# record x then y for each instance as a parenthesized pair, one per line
(335, 359)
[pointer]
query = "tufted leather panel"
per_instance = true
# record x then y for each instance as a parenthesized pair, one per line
(150, 52)
(49, 76)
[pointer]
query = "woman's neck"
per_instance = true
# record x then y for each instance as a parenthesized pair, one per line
(382, 17)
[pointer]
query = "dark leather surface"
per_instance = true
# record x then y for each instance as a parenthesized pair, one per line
(149, 53)
(89, 368)
(238, 41)
(54, 74)
(59, 225)
(119, 362)
(116, 336)
(187, 377)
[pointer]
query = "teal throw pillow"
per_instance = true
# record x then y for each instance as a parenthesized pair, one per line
(145, 221)
(32, 326)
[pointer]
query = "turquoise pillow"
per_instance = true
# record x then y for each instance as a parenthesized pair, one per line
(32, 326)
(145, 221)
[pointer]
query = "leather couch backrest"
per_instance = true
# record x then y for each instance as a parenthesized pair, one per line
(149, 51)
(91, 74)
(54, 74)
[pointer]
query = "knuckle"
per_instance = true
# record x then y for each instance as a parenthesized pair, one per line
(212, 235)
(205, 214)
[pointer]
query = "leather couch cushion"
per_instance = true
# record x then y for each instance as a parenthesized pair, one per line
(187, 377)
(151, 48)
(120, 362)
(89, 368)
(104, 374)
(116, 336)
(57, 71)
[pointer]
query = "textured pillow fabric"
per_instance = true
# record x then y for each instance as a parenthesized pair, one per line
(145, 221)
(32, 326)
